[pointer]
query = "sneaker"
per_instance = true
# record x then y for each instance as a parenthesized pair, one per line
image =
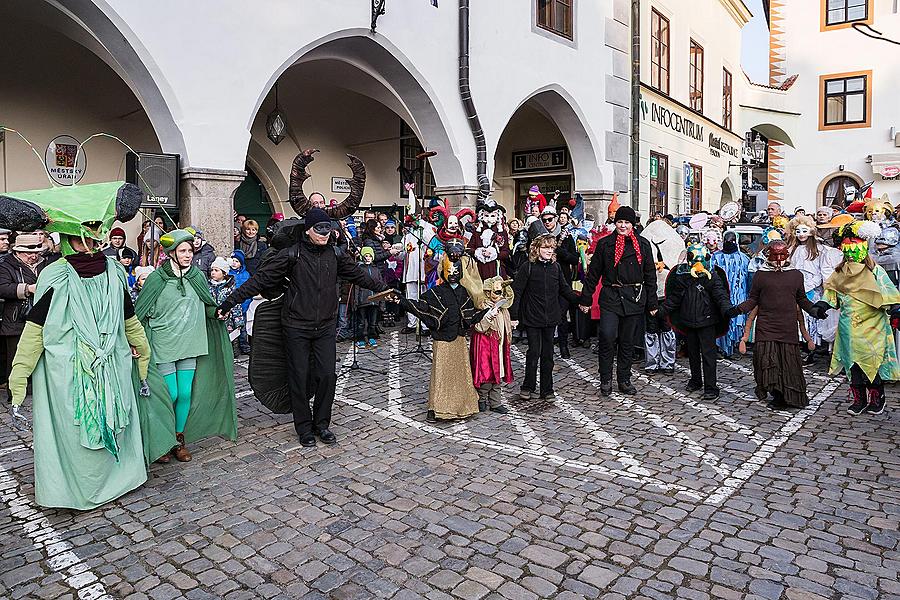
(876, 402)
(525, 394)
(551, 395)
(651, 370)
(373, 343)
(858, 403)
(360, 344)
(605, 388)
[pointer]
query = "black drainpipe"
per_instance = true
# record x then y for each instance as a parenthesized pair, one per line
(465, 93)
(635, 195)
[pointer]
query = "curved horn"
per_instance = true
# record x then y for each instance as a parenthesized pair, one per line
(21, 215)
(357, 187)
(298, 200)
(128, 202)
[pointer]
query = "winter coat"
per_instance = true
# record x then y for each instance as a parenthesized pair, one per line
(204, 257)
(629, 288)
(537, 289)
(308, 275)
(696, 302)
(361, 295)
(240, 275)
(220, 291)
(381, 255)
(14, 276)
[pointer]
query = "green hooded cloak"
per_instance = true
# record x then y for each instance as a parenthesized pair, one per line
(213, 410)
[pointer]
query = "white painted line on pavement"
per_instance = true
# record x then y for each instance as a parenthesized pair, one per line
(466, 438)
(759, 458)
(708, 458)
(748, 371)
(725, 388)
(60, 555)
(709, 411)
(607, 441)
(395, 396)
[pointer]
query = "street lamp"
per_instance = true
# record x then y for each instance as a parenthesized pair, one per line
(759, 149)
(276, 124)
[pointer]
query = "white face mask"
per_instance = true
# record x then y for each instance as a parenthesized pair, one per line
(802, 233)
(588, 225)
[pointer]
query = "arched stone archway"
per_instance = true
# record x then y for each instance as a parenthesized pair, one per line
(556, 120)
(107, 35)
(383, 73)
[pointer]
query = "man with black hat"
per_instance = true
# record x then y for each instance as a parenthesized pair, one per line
(624, 263)
(310, 268)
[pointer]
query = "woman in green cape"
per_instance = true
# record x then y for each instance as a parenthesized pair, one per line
(78, 343)
(191, 373)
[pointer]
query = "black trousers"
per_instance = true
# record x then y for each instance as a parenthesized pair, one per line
(701, 348)
(8, 346)
(540, 349)
(311, 357)
(366, 317)
(615, 329)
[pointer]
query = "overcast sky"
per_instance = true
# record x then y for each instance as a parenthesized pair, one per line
(755, 44)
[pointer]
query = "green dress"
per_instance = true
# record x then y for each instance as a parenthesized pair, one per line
(87, 437)
(864, 334)
(177, 310)
(213, 411)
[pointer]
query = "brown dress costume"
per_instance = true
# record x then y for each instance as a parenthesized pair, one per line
(777, 365)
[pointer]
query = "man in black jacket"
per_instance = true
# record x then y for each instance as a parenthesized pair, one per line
(699, 304)
(624, 263)
(18, 279)
(312, 267)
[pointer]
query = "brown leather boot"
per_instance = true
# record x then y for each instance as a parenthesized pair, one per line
(181, 453)
(164, 459)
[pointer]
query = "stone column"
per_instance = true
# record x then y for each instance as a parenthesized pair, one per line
(207, 202)
(458, 196)
(596, 203)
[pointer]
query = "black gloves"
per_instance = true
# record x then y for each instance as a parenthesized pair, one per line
(732, 312)
(822, 309)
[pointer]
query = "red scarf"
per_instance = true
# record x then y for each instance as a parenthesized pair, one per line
(620, 248)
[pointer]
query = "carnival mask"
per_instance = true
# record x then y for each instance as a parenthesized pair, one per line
(730, 244)
(455, 249)
(777, 255)
(699, 257)
(453, 272)
(802, 232)
(582, 245)
(712, 239)
(855, 250)
(453, 224)
(490, 217)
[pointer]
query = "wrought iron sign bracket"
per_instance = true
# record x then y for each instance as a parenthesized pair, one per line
(377, 11)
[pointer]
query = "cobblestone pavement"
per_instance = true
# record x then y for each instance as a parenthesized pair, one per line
(658, 495)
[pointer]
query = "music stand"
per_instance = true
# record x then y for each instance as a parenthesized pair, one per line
(418, 348)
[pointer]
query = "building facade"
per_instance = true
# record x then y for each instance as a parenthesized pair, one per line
(549, 80)
(839, 110)
(691, 87)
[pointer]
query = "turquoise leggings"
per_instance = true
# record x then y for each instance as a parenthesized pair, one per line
(179, 378)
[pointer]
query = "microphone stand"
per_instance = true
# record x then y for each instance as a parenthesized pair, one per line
(418, 349)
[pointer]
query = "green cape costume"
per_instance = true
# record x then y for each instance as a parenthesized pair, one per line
(213, 411)
(87, 437)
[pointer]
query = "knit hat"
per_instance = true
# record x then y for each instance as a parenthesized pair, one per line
(625, 213)
(534, 190)
(367, 251)
(117, 231)
(221, 263)
(127, 253)
(390, 223)
(173, 239)
(316, 215)
(549, 209)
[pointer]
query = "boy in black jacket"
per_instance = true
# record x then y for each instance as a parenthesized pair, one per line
(699, 306)
(537, 289)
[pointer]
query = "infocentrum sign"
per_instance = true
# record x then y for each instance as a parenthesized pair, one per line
(672, 120)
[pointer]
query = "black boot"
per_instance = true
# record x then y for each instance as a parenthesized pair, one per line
(564, 348)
